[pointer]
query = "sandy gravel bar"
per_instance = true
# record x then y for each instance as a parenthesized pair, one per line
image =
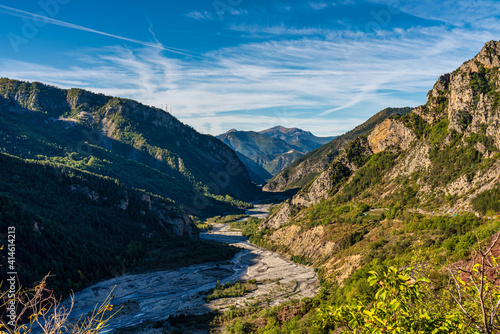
(157, 295)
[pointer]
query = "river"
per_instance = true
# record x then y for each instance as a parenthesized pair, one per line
(157, 295)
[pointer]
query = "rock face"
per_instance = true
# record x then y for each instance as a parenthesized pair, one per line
(328, 182)
(166, 212)
(432, 110)
(282, 216)
(390, 133)
(324, 186)
(309, 243)
(469, 96)
(180, 222)
(466, 104)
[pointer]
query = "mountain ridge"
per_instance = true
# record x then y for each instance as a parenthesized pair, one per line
(82, 124)
(441, 159)
(291, 135)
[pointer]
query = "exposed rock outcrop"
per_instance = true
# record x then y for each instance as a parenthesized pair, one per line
(166, 212)
(390, 133)
(309, 243)
(282, 216)
(171, 215)
(323, 186)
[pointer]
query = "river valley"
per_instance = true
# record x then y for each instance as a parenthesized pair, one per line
(149, 297)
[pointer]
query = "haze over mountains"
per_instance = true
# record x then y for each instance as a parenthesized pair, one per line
(272, 149)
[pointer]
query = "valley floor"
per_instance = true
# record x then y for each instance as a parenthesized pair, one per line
(152, 297)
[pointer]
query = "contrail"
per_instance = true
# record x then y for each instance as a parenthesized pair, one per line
(40, 18)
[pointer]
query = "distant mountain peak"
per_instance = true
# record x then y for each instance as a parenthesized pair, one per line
(284, 130)
(293, 135)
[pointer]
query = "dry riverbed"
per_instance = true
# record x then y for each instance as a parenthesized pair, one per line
(154, 296)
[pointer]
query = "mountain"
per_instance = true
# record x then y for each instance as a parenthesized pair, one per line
(421, 178)
(294, 135)
(259, 148)
(251, 143)
(272, 149)
(141, 146)
(303, 170)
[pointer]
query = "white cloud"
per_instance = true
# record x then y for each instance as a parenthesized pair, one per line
(199, 16)
(318, 5)
(459, 13)
(281, 29)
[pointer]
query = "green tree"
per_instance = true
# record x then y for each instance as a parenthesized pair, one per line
(402, 305)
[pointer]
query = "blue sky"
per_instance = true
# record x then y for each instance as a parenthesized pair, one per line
(324, 66)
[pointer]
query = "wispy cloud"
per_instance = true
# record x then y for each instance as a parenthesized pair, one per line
(475, 13)
(199, 16)
(281, 29)
(318, 5)
(210, 16)
(36, 17)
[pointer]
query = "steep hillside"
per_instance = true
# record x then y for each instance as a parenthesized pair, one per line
(257, 173)
(410, 194)
(304, 169)
(141, 146)
(442, 158)
(82, 227)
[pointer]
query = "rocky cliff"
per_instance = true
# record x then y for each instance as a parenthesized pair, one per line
(324, 185)
(390, 134)
(461, 116)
